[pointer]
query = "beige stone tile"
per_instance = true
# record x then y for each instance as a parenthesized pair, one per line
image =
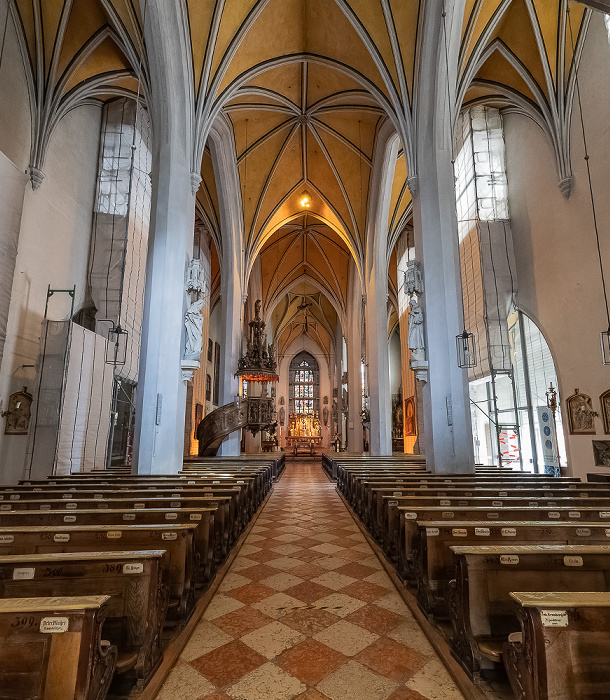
(282, 581)
(272, 639)
(233, 580)
(184, 683)
(253, 539)
(345, 637)
(330, 563)
(284, 563)
(392, 601)
(248, 549)
(286, 549)
(327, 548)
(339, 604)
(287, 537)
(205, 638)
(269, 682)
(333, 580)
(242, 563)
(221, 605)
(279, 605)
(410, 634)
(434, 682)
(355, 682)
(381, 579)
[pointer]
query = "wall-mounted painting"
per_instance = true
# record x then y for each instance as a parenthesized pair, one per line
(601, 453)
(410, 420)
(604, 400)
(18, 413)
(581, 416)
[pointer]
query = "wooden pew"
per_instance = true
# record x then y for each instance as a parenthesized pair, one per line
(180, 562)
(563, 649)
(433, 562)
(202, 517)
(133, 580)
(482, 614)
(51, 649)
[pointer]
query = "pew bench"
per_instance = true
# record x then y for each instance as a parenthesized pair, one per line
(52, 649)
(482, 612)
(563, 648)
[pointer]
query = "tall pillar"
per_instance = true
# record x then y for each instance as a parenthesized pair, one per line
(447, 425)
(161, 395)
(354, 358)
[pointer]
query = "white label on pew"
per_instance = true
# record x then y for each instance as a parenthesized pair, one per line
(583, 494)
(554, 515)
(448, 514)
(98, 496)
(503, 493)
(424, 486)
(509, 559)
(174, 504)
(171, 516)
(73, 488)
(207, 493)
(548, 494)
(397, 493)
(169, 536)
(509, 532)
(14, 497)
(432, 531)
(607, 531)
(69, 518)
(7, 506)
(554, 618)
(114, 535)
(410, 516)
(469, 494)
(574, 514)
(215, 482)
(22, 574)
(72, 505)
(572, 561)
(482, 531)
(139, 505)
(27, 483)
(493, 516)
(441, 493)
(53, 625)
(7, 539)
(392, 503)
(532, 504)
(463, 504)
(129, 516)
(447, 481)
(193, 516)
(191, 482)
(150, 488)
(1, 498)
(445, 503)
(583, 531)
(552, 504)
(66, 495)
(241, 482)
(133, 568)
(175, 495)
(61, 537)
(459, 532)
(37, 489)
(496, 504)
(604, 514)
(102, 506)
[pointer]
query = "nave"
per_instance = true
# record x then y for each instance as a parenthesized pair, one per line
(306, 611)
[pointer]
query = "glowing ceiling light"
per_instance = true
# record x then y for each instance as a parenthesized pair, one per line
(305, 200)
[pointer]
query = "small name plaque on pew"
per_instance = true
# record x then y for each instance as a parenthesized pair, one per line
(114, 534)
(53, 625)
(61, 537)
(129, 516)
(509, 559)
(133, 568)
(69, 518)
(21, 574)
(482, 531)
(169, 536)
(572, 561)
(554, 618)
(7, 539)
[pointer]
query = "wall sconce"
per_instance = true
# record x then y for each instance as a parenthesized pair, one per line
(466, 351)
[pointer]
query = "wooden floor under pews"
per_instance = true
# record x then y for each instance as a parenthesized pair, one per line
(509, 571)
(101, 572)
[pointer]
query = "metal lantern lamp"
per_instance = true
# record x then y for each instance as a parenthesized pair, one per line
(466, 353)
(116, 349)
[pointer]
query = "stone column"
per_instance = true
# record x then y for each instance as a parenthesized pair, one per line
(354, 358)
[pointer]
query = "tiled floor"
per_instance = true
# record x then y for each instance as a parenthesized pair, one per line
(307, 612)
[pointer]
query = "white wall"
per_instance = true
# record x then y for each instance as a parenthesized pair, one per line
(554, 240)
(395, 361)
(53, 249)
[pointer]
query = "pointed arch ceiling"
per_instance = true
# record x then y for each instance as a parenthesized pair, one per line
(69, 44)
(521, 51)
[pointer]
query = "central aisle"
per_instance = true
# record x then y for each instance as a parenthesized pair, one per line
(306, 611)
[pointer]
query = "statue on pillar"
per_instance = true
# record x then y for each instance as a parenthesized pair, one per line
(416, 329)
(193, 323)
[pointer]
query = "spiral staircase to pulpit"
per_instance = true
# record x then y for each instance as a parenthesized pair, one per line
(255, 412)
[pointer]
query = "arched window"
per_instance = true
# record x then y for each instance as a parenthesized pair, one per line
(304, 390)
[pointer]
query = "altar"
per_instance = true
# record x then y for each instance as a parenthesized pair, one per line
(304, 433)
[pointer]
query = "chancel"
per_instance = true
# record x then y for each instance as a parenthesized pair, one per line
(304, 349)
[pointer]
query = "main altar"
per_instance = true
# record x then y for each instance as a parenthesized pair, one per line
(304, 432)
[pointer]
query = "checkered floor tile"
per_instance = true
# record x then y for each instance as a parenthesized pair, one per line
(307, 612)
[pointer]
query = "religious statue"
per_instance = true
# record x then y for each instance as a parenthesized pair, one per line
(416, 328)
(193, 322)
(581, 414)
(19, 413)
